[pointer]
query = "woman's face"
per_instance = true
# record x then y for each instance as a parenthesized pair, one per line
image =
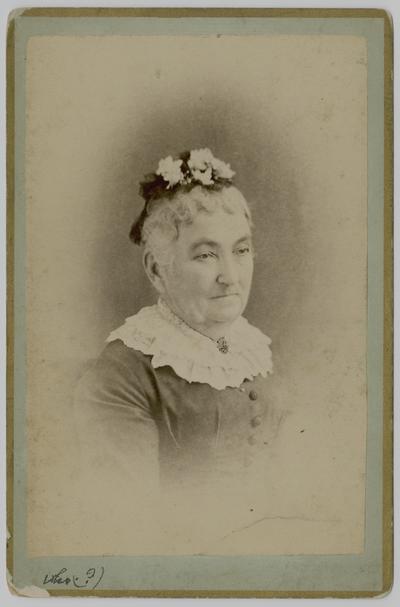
(208, 282)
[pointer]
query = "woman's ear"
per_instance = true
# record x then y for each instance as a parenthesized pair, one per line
(152, 270)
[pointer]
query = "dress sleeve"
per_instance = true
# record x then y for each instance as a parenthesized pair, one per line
(116, 429)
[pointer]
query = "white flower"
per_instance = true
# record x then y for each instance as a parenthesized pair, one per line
(204, 177)
(203, 169)
(170, 170)
(222, 169)
(200, 159)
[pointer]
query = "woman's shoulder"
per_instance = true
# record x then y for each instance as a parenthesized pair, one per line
(117, 352)
(118, 357)
(117, 367)
(140, 331)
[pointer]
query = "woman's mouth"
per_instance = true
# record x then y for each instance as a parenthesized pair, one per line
(225, 295)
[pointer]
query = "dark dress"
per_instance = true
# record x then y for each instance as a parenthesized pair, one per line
(134, 420)
(159, 453)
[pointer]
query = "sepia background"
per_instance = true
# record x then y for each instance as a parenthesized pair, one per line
(289, 114)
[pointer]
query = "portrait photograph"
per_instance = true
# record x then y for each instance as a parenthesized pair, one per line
(199, 271)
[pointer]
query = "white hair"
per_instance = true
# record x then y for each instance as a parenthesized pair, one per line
(165, 215)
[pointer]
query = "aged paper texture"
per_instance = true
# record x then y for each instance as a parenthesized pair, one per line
(91, 104)
(295, 106)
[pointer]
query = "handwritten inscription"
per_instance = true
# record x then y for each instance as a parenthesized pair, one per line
(90, 579)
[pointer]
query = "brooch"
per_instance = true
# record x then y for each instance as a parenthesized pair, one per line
(222, 345)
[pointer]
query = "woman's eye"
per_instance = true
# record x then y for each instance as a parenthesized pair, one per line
(243, 250)
(204, 256)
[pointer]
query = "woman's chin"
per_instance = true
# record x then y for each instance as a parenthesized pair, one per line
(227, 312)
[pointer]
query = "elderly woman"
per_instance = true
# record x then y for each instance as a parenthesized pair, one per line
(179, 397)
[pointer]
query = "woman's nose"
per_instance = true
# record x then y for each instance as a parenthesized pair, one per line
(227, 272)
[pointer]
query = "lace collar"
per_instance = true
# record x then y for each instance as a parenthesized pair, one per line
(158, 332)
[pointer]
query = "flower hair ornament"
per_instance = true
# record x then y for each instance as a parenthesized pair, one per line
(190, 169)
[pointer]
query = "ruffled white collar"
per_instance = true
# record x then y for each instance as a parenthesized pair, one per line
(158, 332)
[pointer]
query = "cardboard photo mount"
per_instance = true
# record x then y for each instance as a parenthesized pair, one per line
(55, 90)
